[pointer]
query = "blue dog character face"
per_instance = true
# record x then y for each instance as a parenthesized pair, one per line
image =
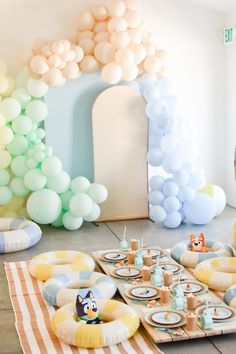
(87, 307)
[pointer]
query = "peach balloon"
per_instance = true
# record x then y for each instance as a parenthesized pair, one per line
(135, 35)
(120, 39)
(66, 44)
(85, 35)
(62, 83)
(53, 77)
(54, 60)
(87, 45)
(39, 65)
(89, 64)
(85, 21)
(71, 70)
(152, 65)
(149, 37)
(117, 24)
(33, 75)
(150, 49)
(62, 65)
(124, 57)
(71, 55)
(100, 12)
(79, 53)
(102, 37)
(140, 69)
(163, 72)
(161, 53)
(104, 52)
(117, 8)
(57, 47)
(139, 52)
(38, 44)
(111, 73)
(100, 27)
(133, 18)
(46, 50)
(129, 73)
(133, 4)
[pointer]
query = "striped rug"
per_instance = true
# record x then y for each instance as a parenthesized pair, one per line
(33, 315)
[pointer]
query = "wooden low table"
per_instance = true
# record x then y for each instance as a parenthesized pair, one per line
(160, 336)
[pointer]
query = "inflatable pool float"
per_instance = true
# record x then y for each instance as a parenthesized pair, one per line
(62, 289)
(17, 234)
(230, 296)
(182, 254)
(46, 265)
(217, 273)
(121, 323)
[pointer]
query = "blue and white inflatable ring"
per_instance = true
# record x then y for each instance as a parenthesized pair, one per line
(182, 254)
(17, 234)
(62, 289)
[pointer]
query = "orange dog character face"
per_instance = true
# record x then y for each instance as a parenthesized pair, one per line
(198, 244)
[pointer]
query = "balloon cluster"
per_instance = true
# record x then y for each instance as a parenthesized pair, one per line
(32, 181)
(6, 82)
(178, 196)
(111, 38)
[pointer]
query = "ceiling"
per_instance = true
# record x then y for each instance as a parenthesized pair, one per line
(225, 6)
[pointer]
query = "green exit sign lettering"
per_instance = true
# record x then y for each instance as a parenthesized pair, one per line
(229, 35)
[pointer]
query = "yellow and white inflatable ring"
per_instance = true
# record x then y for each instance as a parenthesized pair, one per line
(17, 234)
(46, 265)
(121, 323)
(181, 253)
(217, 273)
(62, 289)
(230, 296)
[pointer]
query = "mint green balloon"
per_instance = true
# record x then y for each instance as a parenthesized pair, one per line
(18, 146)
(94, 215)
(10, 108)
(40, 133)
(5, 195)
(36, 110)
(71, 222)
(4, 177)
(65, 199)
(22, 96)
(44, 206)
(98, 193)
(22, 125)
(39, 156)
(32, 137)
(80, 185)
(58, 222)
(34, 179)
(18, 166)
(18, 187)
(31, 163)
(59, 183)
(81, 204)
(51, 166)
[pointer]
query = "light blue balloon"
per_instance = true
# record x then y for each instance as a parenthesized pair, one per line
(166, 86)
(172, 220)
(169, 143)
(181, 178)
(189, 166)
(171, 204)
(186, 194)
(171, 189)
(150, 93)
(197, 180)
(156, 183)
(148, 80)
(155, 157)
(154, 108)
(201, 210)
(157, 213)
(156, 197)
(172, 103)
(172, 163)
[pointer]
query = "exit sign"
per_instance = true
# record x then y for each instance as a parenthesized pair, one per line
(229, 35)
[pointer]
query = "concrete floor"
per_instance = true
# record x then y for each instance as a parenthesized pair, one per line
(90, 238)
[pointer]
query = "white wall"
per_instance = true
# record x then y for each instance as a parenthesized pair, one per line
(231, 114)
(188, 32)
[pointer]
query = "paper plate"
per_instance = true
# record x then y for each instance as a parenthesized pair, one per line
(154, 252)
(143, 292)
(190, 286)
(218, 312)
(170, 267)
(127, 272)
(114, 256)
(148, 319)
(166, 318)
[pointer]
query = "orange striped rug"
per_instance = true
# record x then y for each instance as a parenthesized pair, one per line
(33, 315)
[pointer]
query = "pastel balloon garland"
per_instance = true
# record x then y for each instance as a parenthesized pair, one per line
(32, 181)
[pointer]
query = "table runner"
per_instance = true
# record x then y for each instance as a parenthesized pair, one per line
(33, 315)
